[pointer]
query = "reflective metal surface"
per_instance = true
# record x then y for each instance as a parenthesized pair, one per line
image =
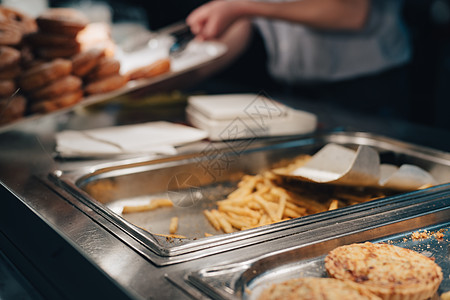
(246, 280)
(105, 188)
(69, 248)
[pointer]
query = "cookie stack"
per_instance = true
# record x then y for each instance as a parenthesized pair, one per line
(12, 105)
(57, 34)
(53, 61)
(65, 33)
(9, 70)
(13, 26)
(100, 72)
(48, 82)
(51, 86)
(96, 64)
(104, 77)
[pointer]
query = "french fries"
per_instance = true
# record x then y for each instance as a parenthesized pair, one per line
(261, 200)
(264, 199)
(173, 227)
(212, 219)
(152, 205)
(333, 205)
(171, 236)
(256, 202)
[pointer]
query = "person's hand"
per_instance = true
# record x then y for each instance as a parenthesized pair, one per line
(212, 19)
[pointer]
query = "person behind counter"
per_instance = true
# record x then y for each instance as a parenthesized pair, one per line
(352, 52)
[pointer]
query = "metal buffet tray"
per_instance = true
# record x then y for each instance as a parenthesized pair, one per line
(248, 279)
(195, 181)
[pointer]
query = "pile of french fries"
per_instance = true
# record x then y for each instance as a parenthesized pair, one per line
(259, 201)
(263, 199)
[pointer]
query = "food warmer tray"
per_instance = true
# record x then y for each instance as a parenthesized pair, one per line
(209, 175)
(305, 258)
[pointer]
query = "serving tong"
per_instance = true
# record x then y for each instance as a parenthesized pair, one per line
(179, 31)
(182, 38)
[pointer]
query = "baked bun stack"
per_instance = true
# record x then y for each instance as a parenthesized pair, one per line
(46, 79)
(9, 69)
(12, 106)
(52, 61)
(96, 64)
(51, 86)
(10, 66)
(13, 27)
(104, 77)
(57, 34)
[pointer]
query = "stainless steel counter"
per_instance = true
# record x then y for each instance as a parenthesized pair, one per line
(65, 251)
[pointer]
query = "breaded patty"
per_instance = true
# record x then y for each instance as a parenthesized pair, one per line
(388, 271)
(317, 289)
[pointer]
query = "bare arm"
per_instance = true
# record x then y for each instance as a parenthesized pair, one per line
(213, 18)
(237, 38)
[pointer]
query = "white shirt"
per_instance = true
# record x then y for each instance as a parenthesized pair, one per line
(297, 53)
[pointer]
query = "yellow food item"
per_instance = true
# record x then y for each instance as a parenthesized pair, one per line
(317, 288)
(389, 271)
(152, 205)
(173, 227)
(445, 296)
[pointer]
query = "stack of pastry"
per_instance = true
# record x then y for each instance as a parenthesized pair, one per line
(12, 105)
(96, 64)
(51, 86)
(99, 71)
(64, 55)
(13, 26)
(47, 81)
(57, 34)
(52, 61)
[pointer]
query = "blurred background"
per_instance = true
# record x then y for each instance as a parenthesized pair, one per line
(428, 73)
